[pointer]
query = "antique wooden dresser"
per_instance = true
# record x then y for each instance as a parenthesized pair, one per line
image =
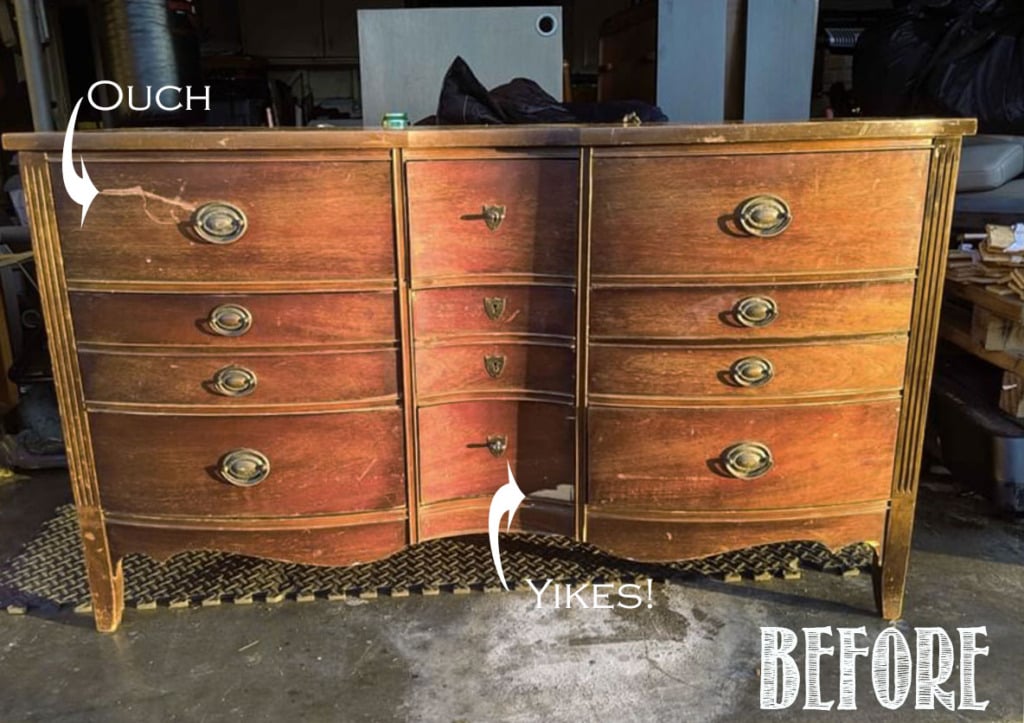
(323, 346)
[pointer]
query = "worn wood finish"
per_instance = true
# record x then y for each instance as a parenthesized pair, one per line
(291, 320)
(612, 281)
(284, 378)
(469, 516)
(849, 211)
(673, 459)
(448, 236)
(699, 373)
(495, 367)
(804, 311)
(665, 540)
(343, 230)
(455, 462)
(531, 310)
(318, 463)
(311, 545)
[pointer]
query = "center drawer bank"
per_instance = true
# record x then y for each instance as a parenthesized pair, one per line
(324, 346)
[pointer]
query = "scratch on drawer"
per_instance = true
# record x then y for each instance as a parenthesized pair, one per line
(145, 195)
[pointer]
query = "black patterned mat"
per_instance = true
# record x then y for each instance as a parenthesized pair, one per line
(49, 572)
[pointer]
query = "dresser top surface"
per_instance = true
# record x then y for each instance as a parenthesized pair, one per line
(205, 139)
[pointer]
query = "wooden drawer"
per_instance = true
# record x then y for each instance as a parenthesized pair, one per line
(505, 310)
(303, 220)
(747, 371)
(674, 458)
(678, 216)
(539, 442)
(328, 463)
(276, 319)
(242, 379)
(448, 234)
(495, 367)
(801, 311)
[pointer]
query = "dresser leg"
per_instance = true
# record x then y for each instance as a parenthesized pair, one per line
(106, 577)
(891, 575)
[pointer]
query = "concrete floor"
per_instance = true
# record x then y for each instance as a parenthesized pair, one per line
(693, 656)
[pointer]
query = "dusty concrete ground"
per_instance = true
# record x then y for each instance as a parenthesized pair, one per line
(693, 656)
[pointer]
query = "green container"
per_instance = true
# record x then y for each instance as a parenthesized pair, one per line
(395, 121)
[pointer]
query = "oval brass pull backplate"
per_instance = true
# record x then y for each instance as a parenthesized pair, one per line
(751, 371)
(764, 216)
(219, 222)
(230, 320)
(747, 460)
(754, 311)
(234, 381)
(244, 467)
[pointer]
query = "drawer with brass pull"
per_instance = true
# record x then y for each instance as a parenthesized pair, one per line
(783, 213)
(226, 381)
(495, 367)
(250, 466)
(486, 217)
(463, 448)
(746, 371)
(740, 313)
(231, 220)
(749, 458)
(235, 321)
(494, 310)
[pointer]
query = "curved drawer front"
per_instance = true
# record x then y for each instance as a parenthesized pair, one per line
(273, 319)
(474, 310)
(240, 380)
(473, 217)
(302, 221)
(691, 459)
(464, 447)
(330, 463)
(826, 212)
(797, 311)
(495, 367)
(754, 371)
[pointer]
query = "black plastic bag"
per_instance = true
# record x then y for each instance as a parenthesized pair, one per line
(465, 101)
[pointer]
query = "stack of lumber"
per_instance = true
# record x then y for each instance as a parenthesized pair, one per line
(996, 263)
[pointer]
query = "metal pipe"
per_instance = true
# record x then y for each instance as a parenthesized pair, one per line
(32, 57)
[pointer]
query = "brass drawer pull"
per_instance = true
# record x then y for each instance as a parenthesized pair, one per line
(751, 371)
(756, 311)
(244, 467)
(496, 444)
(219, 223)
(494, 306)
(494, 364)
(234, 381)
(493, 216)
(764, 216)
(747, 460)
(230, 320)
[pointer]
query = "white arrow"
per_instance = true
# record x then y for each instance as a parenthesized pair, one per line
(80, 188)
(506, 499)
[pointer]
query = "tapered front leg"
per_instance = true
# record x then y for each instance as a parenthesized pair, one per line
(890, 573)
(106, 578)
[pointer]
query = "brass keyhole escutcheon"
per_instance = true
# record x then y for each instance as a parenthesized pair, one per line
(493, 216)
(244, 467)
(494, 364)
(754, 311)
(764, 216)
(751, 371)
(494, 307)
(747, 460)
